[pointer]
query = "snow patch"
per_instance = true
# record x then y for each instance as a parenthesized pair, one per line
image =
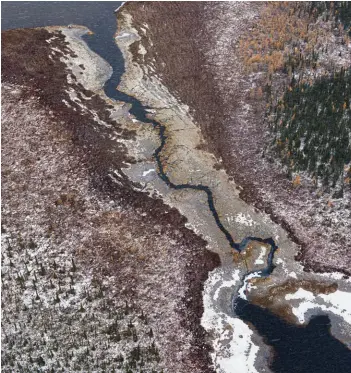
(338, 303)
(232, 338)
(260, 260)
(148, 171)
(117, 9)
(244, 219)
(246, 285)
(123, 35)
(142, 50)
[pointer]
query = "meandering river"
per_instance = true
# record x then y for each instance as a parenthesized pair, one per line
(297, 349)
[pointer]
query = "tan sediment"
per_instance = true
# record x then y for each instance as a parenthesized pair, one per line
(186, 161)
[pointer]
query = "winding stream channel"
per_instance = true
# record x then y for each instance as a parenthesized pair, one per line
(139, 111)
(308, 348)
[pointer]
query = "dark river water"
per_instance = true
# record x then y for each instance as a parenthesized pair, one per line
(296, 349)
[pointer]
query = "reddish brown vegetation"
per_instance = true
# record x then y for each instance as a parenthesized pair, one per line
(27, 63)
(67, 154)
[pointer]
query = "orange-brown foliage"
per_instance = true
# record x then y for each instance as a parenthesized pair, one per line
(280, 29)
(297, 181)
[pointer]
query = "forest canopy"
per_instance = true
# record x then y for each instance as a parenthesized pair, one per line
(312, 126)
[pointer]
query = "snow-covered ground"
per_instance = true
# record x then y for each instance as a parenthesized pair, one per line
(338, 303)
(232, 338)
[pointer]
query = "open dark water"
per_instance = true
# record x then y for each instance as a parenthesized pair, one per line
(98, 16)
(310, 349)
(297, 349)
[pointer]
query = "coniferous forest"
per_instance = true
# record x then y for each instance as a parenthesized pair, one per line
(311, 122)
(312, 126)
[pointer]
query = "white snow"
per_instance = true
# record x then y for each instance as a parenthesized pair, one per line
(148, 171)
(142, 50)
(338, 303)
(242, 219)
(300, 294)
(280, 261)
(117, 9)
(226, 284)
(123, 35)
(260, 260)
(233, 347)
(246, 285)
(152, 111)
